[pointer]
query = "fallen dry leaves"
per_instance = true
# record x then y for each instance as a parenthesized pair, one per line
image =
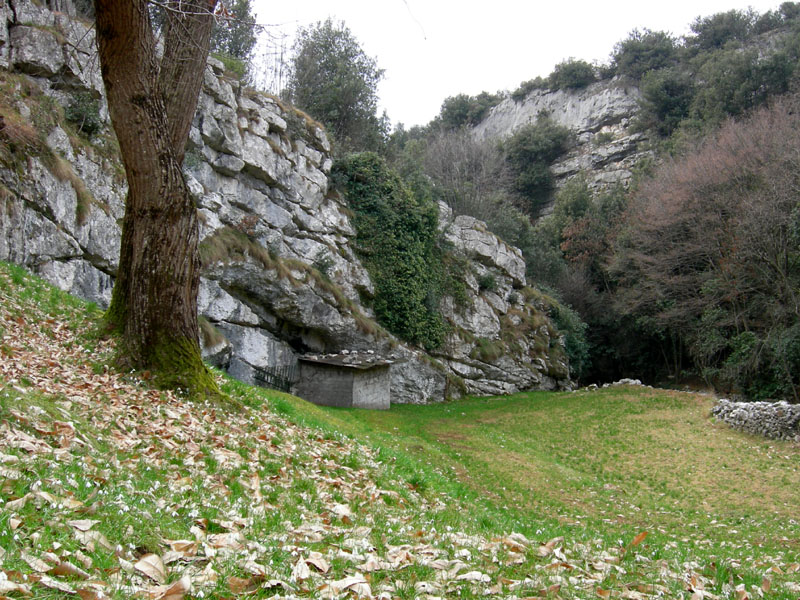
(206, 481)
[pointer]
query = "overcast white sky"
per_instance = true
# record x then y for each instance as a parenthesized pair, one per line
(432, 49)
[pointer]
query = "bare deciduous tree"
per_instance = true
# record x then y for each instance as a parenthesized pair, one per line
(712, 254)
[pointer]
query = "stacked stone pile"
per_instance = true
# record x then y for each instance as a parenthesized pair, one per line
(774, 420)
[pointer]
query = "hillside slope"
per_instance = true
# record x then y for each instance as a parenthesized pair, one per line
(113, 490)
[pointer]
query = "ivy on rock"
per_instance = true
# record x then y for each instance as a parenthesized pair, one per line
(397, 238)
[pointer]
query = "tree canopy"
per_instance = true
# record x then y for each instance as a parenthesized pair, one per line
(644, 51)
(333, 80)
(235, 33)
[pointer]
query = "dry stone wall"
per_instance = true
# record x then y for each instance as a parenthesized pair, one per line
(773, 420)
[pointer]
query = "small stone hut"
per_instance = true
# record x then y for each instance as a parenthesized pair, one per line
(349, 379)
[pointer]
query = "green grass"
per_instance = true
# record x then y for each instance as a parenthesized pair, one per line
(606, 465)
(452, 482)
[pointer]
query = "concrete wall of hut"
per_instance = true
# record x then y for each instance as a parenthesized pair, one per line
(331, 385)
(371, 388)
(326, 385)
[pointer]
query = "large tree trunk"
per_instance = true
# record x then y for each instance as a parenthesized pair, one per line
(152, 103)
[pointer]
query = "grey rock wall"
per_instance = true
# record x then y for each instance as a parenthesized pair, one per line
(269, 226)
(600, 116)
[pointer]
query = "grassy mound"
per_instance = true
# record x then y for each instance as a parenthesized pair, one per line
(110, 489)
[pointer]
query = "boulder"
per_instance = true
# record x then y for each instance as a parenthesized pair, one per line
(35, 51)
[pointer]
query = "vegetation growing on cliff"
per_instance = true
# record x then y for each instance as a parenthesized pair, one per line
(529, 152)
(397, 238)
(234, 37)
(465, 110)
(333, 79)
(732, 64)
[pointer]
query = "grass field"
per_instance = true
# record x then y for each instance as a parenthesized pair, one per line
(616, 461)
(109, 489)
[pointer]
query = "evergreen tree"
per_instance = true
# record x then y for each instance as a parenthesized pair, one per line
(235, 34)
(334, 81)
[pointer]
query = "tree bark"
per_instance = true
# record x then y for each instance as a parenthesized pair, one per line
(152, 103)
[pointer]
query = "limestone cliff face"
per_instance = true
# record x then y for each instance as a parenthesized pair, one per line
(281, 277)
(600, 117)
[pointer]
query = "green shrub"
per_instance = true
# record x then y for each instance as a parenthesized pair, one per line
(487, 282)
(526, 87)
(644, 51)
(488, 350)
(461, 110)
(529, 152)
(717, 30)
(571, 74)
(572, 327)
(666, 97)
(602, 138)
(735, 81)
(83, 111)
(760, 367)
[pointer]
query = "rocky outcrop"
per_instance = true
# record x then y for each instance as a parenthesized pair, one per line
(500, 341)
(600, 116)
(281, 277)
